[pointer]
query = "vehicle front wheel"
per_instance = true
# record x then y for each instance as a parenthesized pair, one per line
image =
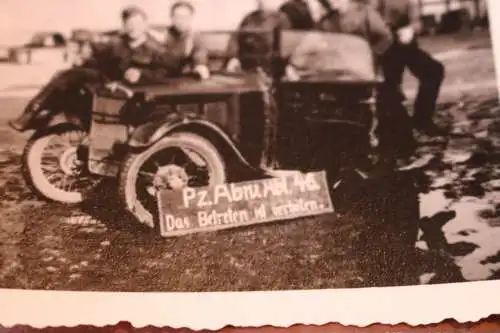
(177, 161)
(54, 168)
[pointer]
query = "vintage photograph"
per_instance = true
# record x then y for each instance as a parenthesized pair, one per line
(250, 145)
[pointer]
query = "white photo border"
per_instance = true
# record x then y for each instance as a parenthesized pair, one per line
(413, 305)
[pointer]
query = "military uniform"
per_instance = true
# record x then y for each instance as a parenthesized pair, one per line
(299, 14)
(112, 59)
(360, 20)
(187, 50)
(108, 63)
(253, 48)
(430, 72)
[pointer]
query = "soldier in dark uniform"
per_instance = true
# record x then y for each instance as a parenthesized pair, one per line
(184, 44)
(133, 57)
(404, 20)
(247, 50)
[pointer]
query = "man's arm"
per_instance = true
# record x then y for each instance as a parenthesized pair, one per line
(414, 16)
(379, 34)
(163, 63)
(199, 51)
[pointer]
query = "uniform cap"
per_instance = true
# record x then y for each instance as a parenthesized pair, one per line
(131, 11)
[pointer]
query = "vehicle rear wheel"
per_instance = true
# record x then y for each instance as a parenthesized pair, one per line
(53, 169)
(176, 161)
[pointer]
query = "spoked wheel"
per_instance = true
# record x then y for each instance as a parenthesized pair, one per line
(53, 168)
(175, 162)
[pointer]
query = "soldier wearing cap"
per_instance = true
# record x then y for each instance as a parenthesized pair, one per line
(187, 46)
(247, 49)
(133, 57)
(403, 18)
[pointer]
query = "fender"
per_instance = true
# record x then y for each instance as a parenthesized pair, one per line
(55, 128)
(79, 116)
(148, 134)
(48, 120)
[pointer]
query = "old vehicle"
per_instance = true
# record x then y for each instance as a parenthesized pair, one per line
(452, 15)
(43, 46)
(231, 127)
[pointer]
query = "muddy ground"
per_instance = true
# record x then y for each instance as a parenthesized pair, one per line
(96, 247)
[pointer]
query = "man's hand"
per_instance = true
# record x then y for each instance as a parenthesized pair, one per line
(406, 34)
(233, 65)
(291, 74)
(132, 75)
(202, 71)
(114, 86)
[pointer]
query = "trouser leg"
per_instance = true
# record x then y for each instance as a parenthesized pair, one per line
(394, 129)
(430, 74)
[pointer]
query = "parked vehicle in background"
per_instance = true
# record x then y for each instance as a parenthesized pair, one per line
(43, 47)
(444, 16)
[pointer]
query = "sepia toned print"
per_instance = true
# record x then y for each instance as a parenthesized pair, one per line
(268, 146)
(413, 197)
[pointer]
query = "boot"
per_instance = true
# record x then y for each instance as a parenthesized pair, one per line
(39, 102)
(22, 123)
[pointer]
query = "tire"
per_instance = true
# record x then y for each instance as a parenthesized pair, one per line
(129, 175)
(38, 180)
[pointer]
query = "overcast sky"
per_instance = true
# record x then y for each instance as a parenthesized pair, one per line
(19, 18)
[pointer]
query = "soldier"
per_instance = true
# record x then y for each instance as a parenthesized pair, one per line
(247, 50)
(352, 17)
(396, 142)
(133, 57)
(184, 43)
(403, 18)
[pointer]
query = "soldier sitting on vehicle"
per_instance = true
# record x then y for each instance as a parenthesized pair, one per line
(134, 57)
(257, 41)
(186, 46)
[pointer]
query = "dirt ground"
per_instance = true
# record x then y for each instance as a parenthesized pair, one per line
(95, 247)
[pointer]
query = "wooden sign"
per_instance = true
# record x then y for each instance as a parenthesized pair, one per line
(233, 205)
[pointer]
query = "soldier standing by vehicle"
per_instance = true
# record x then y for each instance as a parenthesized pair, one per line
(353, 17)
(359, 18)
(248, 49)
(184, 43)
(403, 18)
(133, 57)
